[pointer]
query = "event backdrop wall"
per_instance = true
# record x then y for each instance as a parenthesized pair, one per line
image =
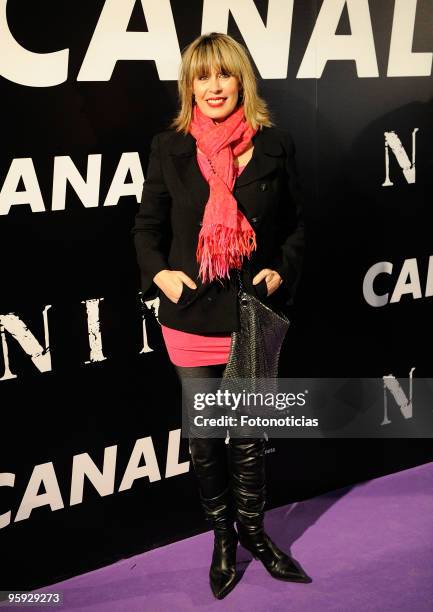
(92, 465)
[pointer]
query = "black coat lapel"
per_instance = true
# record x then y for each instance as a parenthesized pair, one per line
(266, 149)
(184, 155)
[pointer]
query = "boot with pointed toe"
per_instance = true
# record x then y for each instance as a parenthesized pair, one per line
(222, 572)
(209, 458)
(247, 467)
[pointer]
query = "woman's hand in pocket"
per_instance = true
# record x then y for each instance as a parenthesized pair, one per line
(272, 278)
(171, 283)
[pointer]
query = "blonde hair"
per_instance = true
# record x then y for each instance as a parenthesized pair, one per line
(225, 54)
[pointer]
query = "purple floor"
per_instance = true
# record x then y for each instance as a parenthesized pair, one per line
(367, 547)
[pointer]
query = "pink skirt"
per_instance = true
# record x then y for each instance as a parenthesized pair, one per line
(189, 350)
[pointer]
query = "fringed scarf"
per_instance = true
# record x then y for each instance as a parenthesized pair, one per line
(226, 236)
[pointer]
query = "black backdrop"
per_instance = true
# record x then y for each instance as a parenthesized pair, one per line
(64, 406)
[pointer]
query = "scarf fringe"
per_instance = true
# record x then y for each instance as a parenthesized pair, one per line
(221, 248)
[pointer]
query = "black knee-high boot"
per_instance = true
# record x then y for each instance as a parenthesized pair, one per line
(247, 467)
(209, 458)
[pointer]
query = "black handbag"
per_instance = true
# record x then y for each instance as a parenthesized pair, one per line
(254, 355)
(255, 348)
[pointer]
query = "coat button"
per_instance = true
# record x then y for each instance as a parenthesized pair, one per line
(209, 299)
(263, 186)
(200, 223)
(255, 220)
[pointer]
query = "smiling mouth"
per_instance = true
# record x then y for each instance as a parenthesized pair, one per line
(215, 101)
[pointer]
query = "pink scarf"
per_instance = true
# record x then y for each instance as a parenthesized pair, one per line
(226, 235)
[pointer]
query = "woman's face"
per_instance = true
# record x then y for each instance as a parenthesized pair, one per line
(216, 94)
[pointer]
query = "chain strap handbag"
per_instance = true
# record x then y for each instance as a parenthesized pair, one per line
(255, 348)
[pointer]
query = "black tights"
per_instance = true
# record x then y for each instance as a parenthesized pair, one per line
(210, 454)
(207, 371)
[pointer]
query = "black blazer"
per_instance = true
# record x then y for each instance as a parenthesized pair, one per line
(169, 218)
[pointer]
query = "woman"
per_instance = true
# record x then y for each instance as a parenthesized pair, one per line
(221, 195)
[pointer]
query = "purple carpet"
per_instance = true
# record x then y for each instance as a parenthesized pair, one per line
(366, 547)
